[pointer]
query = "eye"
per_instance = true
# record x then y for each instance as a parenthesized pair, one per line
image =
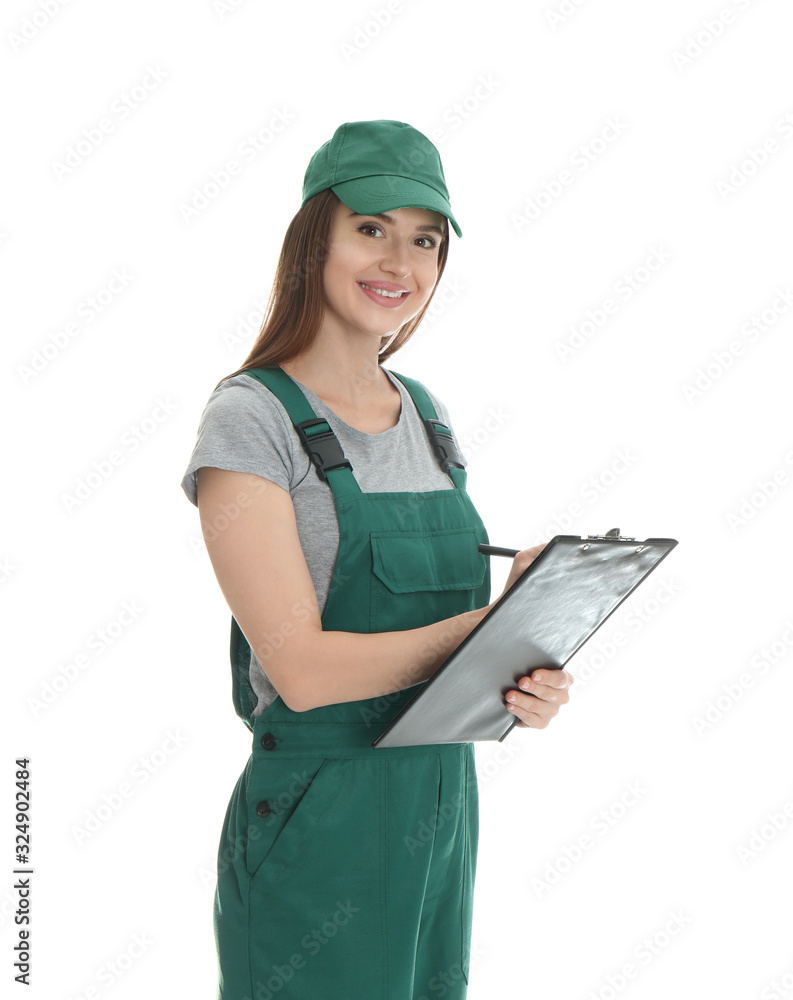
(368, 225)
(430, 241)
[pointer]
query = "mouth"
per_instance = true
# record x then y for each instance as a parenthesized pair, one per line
(383, 296)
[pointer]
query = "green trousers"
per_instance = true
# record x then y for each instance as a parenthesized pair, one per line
(346, 871)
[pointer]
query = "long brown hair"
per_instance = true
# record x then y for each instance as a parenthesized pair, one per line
(297, 301)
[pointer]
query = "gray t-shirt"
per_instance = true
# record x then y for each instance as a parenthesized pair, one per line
(245, 428)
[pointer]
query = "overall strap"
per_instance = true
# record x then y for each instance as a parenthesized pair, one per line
(439, 434)
(316, 434)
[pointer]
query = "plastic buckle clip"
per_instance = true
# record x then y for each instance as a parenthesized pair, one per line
(443, 442)
(323, 448)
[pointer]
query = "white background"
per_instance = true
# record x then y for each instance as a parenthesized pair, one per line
(690, 710)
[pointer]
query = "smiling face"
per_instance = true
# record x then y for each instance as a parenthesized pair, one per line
(380, 269)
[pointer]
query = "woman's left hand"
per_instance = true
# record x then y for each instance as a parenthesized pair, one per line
(538, 697)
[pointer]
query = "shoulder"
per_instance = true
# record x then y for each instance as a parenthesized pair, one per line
(241, 406)
(243, 428)
(242, 393)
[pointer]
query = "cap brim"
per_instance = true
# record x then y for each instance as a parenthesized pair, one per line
(372, 195)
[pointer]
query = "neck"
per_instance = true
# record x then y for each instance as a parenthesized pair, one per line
(341, 370)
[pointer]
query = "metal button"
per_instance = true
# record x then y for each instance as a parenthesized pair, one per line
(268, 741)
(263, 809)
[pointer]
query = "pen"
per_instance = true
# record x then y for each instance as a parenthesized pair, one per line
(496, 550)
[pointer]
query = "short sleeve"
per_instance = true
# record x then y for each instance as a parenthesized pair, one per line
(242, 429)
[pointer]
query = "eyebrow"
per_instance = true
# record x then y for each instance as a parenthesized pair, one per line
(390, 219)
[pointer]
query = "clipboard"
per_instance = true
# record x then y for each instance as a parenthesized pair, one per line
(546, 616)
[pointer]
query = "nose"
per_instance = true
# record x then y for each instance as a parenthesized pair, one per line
(396, 260)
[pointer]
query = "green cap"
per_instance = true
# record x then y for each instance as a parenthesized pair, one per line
(376, 166)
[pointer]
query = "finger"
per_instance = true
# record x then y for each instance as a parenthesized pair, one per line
(539, 700)
(527, 556)
(536, 702)
(552, 678)
(533, 713)
(545, 691)
(541, 692)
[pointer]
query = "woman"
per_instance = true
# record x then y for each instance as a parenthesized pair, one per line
(332, 501)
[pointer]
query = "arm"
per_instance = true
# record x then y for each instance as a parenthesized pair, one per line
(250, 531)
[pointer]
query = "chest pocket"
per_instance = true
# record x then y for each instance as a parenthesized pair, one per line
(420, 577)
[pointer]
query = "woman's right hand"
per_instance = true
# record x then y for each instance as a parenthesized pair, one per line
(520, 564)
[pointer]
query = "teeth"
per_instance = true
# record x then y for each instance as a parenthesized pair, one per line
(382, 291)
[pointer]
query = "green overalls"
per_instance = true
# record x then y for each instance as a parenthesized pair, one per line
(345, 871)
